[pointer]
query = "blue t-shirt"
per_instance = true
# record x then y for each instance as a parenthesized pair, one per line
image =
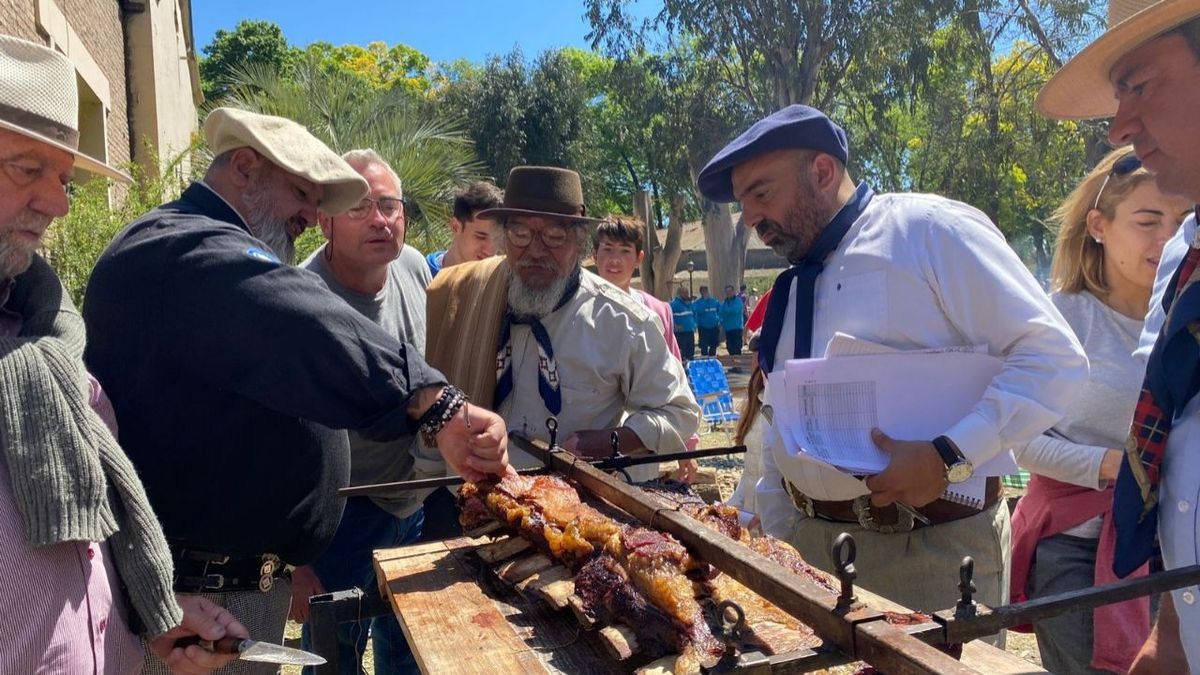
(733, 314)
(434, 260)
(708, 312)
(684, 320)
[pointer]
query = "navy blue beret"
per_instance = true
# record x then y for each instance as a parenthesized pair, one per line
(796, 126)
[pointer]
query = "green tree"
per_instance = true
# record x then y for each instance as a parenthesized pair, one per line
(383, 67)
(250, 43)
(432, 155)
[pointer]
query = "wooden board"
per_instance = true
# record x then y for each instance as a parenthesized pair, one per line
(460, 619)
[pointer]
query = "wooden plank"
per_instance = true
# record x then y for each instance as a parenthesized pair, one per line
(576, 604)
(504, 548)
(620, 641)
(663, 666)
(517, 570)
(487, 528)
(555, 586)
(453, 626)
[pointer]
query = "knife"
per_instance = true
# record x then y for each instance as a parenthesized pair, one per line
(253, 650)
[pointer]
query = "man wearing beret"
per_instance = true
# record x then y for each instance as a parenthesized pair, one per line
(910, 272)
(534, 335)
(234, 374)
(1144, 73)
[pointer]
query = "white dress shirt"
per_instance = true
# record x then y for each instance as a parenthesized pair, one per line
(614, 370)
(920, 271)
(1179, 497)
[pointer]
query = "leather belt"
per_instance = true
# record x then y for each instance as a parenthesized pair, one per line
(206, 572)
(889, 519)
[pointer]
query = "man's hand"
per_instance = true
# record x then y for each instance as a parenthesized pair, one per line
(305, 584)
(1110, 466)
(1163, 652)
(915, 476)
(200, 617)
(597, 443)
(474, 443)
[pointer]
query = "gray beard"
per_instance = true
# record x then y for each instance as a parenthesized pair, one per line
(264, 225)
(15, 257)
(524, 300)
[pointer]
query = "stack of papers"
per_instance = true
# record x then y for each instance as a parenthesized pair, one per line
(827, 407)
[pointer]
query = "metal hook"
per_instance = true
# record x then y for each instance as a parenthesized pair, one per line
(731, 629)
(966, 586)
(552, 427)
(615, 441)
(844, 552)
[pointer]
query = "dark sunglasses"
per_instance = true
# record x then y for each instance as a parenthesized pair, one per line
(1121, 168)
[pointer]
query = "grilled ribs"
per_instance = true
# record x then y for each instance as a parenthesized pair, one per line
(626, 573)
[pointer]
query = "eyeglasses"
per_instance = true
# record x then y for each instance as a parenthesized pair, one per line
(389, 208)
(1121, 168)
(520, 235)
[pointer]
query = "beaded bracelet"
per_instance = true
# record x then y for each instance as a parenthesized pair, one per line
(434, 420)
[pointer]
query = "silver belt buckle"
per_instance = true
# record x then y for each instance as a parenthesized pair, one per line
(862, 509)
(266, 578)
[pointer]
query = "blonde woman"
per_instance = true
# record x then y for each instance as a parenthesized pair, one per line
(1112, 229)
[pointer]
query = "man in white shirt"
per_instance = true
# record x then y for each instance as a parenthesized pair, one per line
(534, 335)
(1145, 73)
(910, 272)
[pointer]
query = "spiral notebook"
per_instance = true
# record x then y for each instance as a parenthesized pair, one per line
(970, 492)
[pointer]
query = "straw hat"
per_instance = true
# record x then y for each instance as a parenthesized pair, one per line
(292, 148)
(546, 191)
(39, 100)
(1081, 88)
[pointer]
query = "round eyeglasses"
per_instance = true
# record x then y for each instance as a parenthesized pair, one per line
(521, 235)
(389, 208)
(1124, 166)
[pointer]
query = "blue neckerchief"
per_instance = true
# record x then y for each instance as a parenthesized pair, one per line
(806, 272)
(547, 368)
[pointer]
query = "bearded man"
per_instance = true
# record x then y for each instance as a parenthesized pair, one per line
(910, 272)
(534, 335)
(234, 374)
(86, 567)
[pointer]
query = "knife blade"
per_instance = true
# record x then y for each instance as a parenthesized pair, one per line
(253, 650)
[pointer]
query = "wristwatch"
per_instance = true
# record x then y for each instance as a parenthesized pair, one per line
(958, 468)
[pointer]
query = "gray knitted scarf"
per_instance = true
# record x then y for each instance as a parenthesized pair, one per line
(70, 479)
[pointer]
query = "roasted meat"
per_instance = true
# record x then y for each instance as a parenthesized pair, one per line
(652, 566)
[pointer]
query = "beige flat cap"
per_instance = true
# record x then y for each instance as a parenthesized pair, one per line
(290, 147)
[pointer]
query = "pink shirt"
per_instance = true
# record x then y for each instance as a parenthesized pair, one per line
(663, 311)
(60, 607)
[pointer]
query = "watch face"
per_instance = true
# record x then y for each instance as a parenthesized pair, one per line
(960, 472)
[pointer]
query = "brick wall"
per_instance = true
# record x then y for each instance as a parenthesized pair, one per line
(16, 18)
(98, 24)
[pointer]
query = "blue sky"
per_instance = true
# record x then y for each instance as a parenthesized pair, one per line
(443, 29)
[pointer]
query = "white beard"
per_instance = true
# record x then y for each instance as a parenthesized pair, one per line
(15, 256)
(264, 225)
(526, 301)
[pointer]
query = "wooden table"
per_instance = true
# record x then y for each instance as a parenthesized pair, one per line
(459, 618)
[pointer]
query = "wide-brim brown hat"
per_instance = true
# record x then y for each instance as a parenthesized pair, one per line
(1081, 89)
(292, 148)
(39, 100)
(545, 191)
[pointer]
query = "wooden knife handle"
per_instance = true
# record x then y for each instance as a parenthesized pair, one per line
(226, 645)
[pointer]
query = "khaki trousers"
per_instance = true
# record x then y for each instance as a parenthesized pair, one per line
(919, 569)
(263, 614)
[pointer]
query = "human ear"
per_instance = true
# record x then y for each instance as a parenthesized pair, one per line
(1096, 222)
(243, 165)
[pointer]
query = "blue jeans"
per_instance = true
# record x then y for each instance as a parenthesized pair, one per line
(348, 564)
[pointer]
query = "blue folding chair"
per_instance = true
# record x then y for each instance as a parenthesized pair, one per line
(711, 389)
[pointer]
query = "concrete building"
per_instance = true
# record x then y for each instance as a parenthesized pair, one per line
(135, 61)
